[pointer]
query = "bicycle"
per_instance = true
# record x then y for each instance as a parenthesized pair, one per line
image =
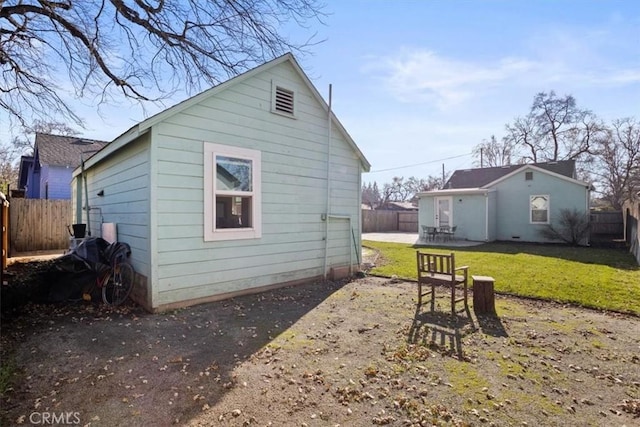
(114, 275)
(116, 282)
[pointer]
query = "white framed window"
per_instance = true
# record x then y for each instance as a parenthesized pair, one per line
(232, 193)
(539, 209)
(283, 100)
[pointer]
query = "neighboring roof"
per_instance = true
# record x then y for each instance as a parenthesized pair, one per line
(57, 150)
(400, 206)
(142, 127)
(481, 177)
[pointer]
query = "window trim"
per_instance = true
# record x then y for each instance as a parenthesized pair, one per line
(274, 89)
(531, 221)
(211, 232)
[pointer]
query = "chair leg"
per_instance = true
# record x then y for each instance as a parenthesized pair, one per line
(453, 299)
(466, 302)
(419, 294)
(433, 297)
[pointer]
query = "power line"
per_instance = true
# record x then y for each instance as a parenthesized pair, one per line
(420, 164)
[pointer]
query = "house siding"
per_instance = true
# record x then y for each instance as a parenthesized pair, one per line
(294, 192)
(33, 183)
(55, 182)
(490, 209)
(124, 179)
(512, 203)
(426, 215)
(469, 215)
(468, 212)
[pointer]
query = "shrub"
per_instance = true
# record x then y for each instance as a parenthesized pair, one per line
(571, 228)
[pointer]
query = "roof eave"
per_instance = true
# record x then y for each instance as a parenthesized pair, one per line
(452, 191)
(122, 140)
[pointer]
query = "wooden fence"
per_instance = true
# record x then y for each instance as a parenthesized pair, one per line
(38, 225)
(383, 220)
(607, 223)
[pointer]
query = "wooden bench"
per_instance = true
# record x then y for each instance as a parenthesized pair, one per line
(439, 269)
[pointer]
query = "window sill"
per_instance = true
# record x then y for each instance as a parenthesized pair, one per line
(232, 234)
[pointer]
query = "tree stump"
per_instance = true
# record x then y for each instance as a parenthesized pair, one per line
(483, 296)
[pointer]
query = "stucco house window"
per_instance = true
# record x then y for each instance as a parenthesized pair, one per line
(232, 196)
(539, 209)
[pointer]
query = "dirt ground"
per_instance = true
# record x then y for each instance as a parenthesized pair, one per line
(324, 354)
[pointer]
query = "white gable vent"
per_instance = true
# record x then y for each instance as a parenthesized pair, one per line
(283, 100)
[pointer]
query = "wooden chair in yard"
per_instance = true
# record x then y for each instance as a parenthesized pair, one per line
(441, 270)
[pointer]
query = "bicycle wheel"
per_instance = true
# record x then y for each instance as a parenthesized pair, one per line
(119, 285)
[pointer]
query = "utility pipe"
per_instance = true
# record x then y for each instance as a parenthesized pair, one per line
(328, 205)
(86, 195)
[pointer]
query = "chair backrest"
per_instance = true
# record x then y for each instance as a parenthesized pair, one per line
(436, 263)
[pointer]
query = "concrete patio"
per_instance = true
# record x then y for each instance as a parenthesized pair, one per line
(414, 239)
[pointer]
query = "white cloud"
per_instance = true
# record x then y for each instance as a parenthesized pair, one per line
(425, 76)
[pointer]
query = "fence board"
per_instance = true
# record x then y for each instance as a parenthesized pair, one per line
(408, 221)
(39, 225)
(384, 220)
(606, 223)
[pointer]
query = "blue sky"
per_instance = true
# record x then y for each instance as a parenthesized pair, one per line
(416, 82)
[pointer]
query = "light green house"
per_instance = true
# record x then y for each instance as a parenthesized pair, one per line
(511, 203)
(250, 185)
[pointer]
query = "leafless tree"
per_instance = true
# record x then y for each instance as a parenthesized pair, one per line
(399, 190)
(618, 162)
(522, 133)
(142, 49)
(491, 153)
(555, 129)
(371, 195)
(8, 167)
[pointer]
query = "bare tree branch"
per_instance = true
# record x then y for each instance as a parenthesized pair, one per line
(140, 49)
(618, 164)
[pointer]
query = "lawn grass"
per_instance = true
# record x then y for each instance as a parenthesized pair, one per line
(605, 279)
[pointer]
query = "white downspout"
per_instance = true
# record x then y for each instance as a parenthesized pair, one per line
(486, 217)
(326, 215)
(588, 212)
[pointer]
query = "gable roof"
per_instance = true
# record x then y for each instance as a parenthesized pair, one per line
(58, 150)
(144, 126)
(482, 177)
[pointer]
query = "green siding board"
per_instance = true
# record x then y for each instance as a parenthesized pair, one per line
(178, 182)
(181, 194)
(232, 120)
(205, 289)
(225, 262)
(238, 267)
(187, 278)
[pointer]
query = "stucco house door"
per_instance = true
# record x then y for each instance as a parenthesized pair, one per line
(444, 216)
